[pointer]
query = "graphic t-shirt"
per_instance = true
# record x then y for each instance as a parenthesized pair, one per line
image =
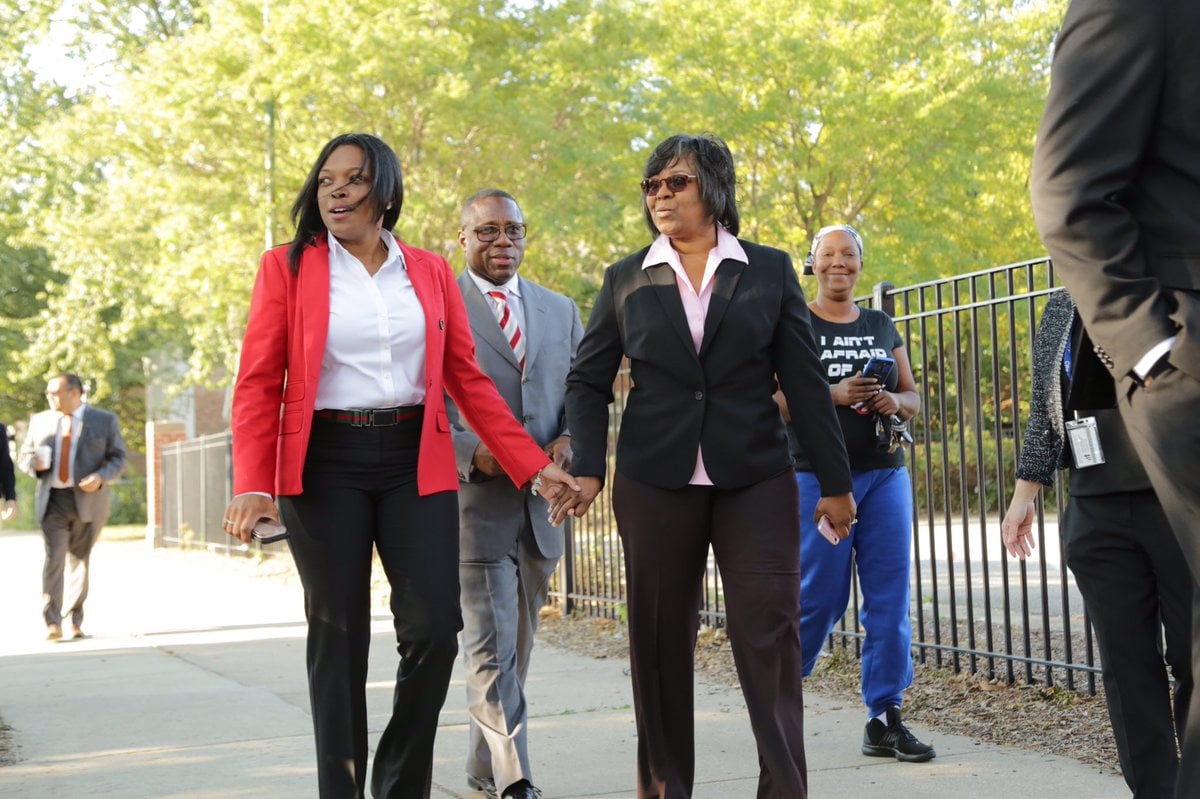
(845, 350)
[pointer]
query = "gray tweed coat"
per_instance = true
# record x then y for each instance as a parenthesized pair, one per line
(1043, 451)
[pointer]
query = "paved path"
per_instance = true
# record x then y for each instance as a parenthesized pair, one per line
(192, 685)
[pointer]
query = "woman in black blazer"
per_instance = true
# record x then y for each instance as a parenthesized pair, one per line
(707, 322)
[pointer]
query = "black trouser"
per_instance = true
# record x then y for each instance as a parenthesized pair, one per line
(360, 489)
(1135, 581)
(1162, 423)
(755, 536)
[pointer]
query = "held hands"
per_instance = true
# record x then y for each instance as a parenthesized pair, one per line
(840, 510)
(575, 504)
(244, 511)
(552, 482)
(855, 389)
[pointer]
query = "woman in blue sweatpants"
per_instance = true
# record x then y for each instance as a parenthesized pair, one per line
(879, 544)
(848, 337)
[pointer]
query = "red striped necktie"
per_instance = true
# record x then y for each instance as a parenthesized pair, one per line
(509, 326)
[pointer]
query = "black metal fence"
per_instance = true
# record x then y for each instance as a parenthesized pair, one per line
(968, 338)
(197, 478)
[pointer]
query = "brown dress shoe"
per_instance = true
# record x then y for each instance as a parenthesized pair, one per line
(77, 631)
(53, 632)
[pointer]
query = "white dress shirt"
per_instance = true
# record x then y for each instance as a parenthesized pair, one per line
(512, 292)
(1143, 367)
(375, 348)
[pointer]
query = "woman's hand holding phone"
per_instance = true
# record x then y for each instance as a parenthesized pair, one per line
(825, 528)
(874, 375)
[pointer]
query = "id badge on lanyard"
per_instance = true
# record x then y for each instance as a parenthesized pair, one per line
(1084, 438)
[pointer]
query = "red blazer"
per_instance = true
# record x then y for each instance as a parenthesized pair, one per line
(281, 365)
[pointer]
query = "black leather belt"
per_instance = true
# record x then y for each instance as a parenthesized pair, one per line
(371, 417)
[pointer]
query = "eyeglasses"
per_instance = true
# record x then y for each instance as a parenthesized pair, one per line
(489, 233)
(676, 183)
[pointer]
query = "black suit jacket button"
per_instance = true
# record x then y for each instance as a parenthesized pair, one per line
(699, 395)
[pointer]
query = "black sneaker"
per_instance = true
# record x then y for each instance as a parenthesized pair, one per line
(894, 740)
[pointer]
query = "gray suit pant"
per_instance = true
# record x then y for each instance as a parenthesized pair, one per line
(500, 605)
(68, 541)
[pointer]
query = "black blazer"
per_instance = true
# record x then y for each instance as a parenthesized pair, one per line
(757, 327)
(1116, 179)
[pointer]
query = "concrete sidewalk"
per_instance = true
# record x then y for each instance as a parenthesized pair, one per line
(192, 685)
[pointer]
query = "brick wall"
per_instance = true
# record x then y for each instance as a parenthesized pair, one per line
(158, 435)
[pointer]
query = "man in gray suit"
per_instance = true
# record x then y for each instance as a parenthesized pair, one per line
(73, 450)
(525, 340)
(1116, 196)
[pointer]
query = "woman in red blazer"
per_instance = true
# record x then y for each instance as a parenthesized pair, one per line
(339, 411)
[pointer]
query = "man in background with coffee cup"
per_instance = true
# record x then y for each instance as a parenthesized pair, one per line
(73, 450)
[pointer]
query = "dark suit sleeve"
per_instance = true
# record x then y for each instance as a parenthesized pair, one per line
(589, 385)
(1105, 92)
(114, 455)
(8, 477)
(576, 337)
(806, 389)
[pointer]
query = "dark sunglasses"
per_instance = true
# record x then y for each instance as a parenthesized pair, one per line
(489, 233)
(676, 183)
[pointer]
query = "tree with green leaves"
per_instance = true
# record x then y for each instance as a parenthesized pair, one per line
(153, 194)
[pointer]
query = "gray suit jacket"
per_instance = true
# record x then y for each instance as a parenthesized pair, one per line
(491, 511)
(98, 449)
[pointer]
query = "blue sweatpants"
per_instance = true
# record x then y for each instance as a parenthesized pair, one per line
(880, 544)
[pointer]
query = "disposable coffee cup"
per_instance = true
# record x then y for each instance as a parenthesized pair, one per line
(41, 457)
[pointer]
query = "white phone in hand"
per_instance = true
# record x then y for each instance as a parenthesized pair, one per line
(825, 528)
(267, 531)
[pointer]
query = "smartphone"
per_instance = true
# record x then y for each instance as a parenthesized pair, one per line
(879, 367)
(267, 531)
(825, 528)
